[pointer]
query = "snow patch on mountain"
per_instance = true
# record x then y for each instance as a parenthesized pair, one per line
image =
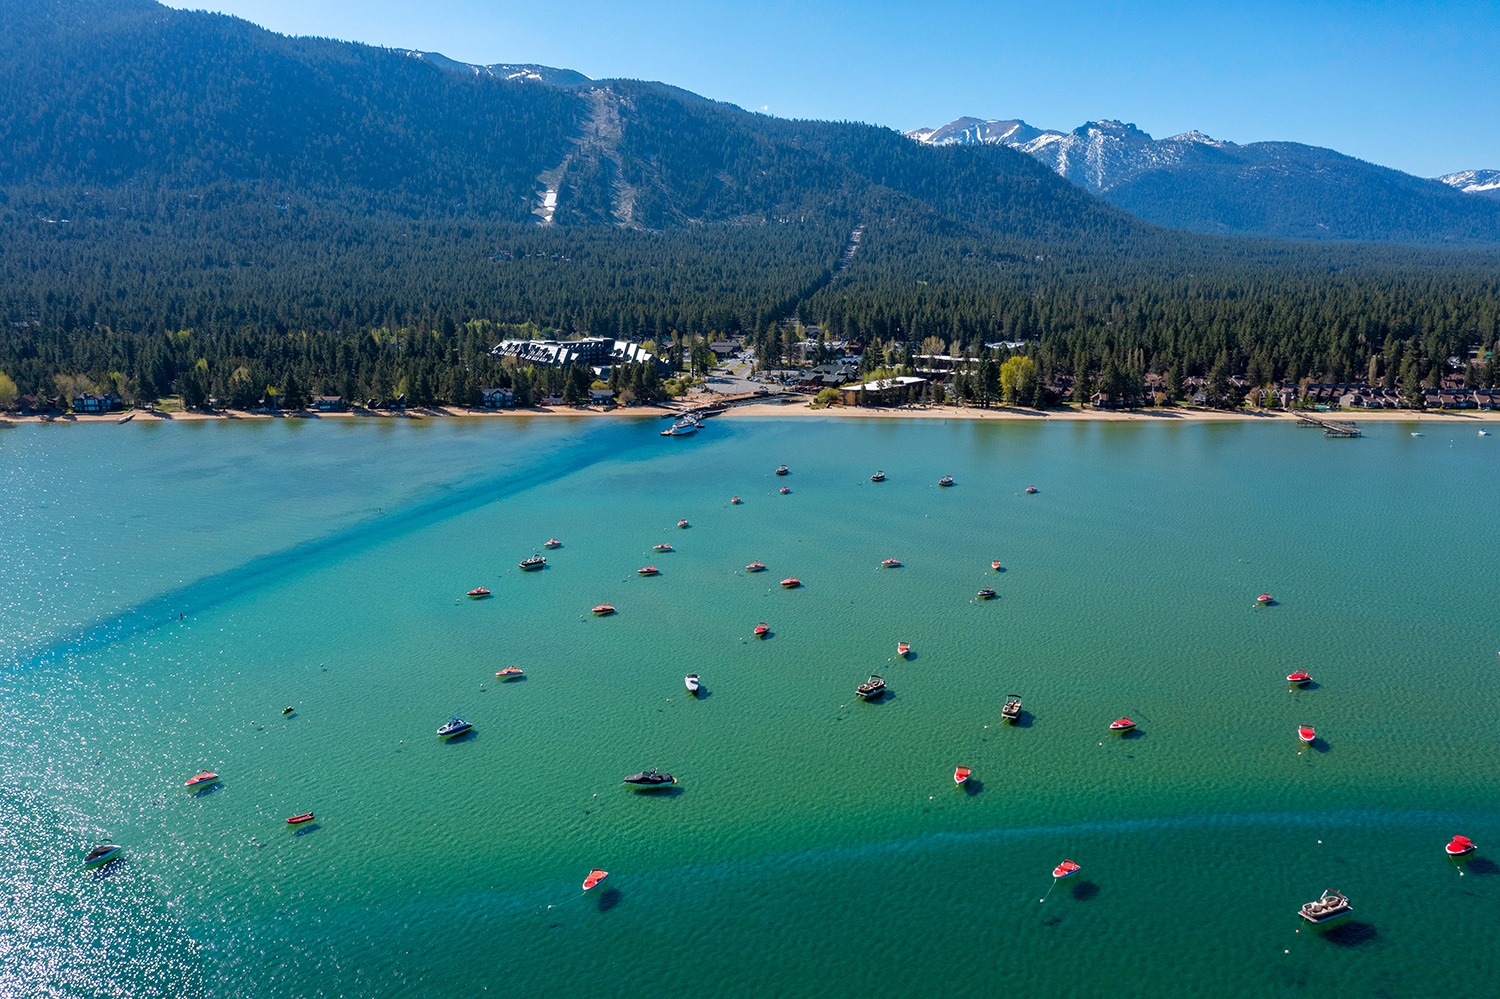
(1482, 182)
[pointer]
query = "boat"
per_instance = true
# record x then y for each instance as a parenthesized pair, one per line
(478, 593)
(1299, 678)
(1329, 905)
(1415, 433)
(604, 610)
(288, 710)
(785, 490)
(297, 820)
(552, 543)
(102, 854)
(891, 563)
(791, 582)
(1121, 725)
(756, 567)
(871, 688)
(1011, 711)
(683, 524)
(946, 480)
(1460, 845)
(879, 476)
(648, 570)
(202, 778)
(1484, 433)
(995, 565)
(783, 470)
(735, 500)
(682, 428)
(1306, 733)
(510, 673)
(988, 593)
(126, 418)
(691, 681)
(903, 649)
(453, 726)
(595, 876)
(1030, 490)
(1264, 599)
(762, 630)
(535, 562)
(663, 547)
(1066, 869)
(961, 774)
(650, 780)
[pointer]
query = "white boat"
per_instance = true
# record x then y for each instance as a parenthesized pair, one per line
(691, 681)
(453, 726)
(682, 428)
(650, 780)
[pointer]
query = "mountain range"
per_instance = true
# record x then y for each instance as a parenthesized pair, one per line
(1280, 189)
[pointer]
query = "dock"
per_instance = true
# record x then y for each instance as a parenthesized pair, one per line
(1331, 428)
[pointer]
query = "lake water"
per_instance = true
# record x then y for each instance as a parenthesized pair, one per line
(166, 589)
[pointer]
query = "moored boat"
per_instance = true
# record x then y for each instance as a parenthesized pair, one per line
(691, 682)
(879, 476)
(1264, 599)
(682, 428)
(756, 567)
(961, 774)
(453, 726)
(783, 470)
(683, 524)
(1011, 711)
(552, 543)
(1299, 678)
(791, 582)
(1121, 725)
(735, 500)
(478, 593)
(987, 593)
(510, 673)
(202, 778)
(650, 780)
(595, 876)
(648, 570)
(533, 563)
(1329, 905)
(946, 480)
(1458, 846)
(995, 564)
(1030, 490)
(762, 630)
(297, 820)
(604, 610)
(903, 649)
(871, 688)
(663, 547)
(785, 490)
(1306, 733)
(1066, 869)
(891, 563)
(102, 854)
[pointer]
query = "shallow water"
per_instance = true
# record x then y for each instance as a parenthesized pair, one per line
(168, 589)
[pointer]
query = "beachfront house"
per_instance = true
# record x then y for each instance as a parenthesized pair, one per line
(497, 398)
(883, 392)
(96, 402)
(329, 404)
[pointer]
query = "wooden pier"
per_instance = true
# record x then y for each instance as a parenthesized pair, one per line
(1331, 428)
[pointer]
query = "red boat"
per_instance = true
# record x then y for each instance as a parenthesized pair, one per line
(595, 876)
(785, 490)
(762, 630)
(1299, 678)
(1459, 846)
(1121, 725)
(663, 547)
(201, 778)
(478, 593)
(1066, 869)
(735, 500)
(961, 774)
(1306, 733)
(756, 567)
(995, 565)
(891, 563)
(604, 609)
(552, 543)
(647, 570)
(791, 582)
(510, 673)
(297, 820)
(1264, 599)
(683, 523)
(1031, 489)
(902, 648)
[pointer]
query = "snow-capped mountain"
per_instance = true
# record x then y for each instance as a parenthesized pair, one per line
(1285, 189)
(505, 71)
(1482, 182)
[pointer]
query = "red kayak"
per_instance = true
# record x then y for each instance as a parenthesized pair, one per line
(1121, 725)
(1306, 733)
(1066, 869)
(297, 820)
(1459, 846)
(595, 876)
(961, 774)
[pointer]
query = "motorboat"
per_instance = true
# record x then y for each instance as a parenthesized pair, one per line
(1011, 710)
(595, 876)
(691, 682)
(297, 820)
(961, 774)
(946, 480)
(202, 778)
(682, 428)
(735, 500)
(552, 543)
(650, 780)
(663, 547)
(1458, 846)
(871, 688)
(891, 563)
(288, 710)
(783, 470)
(102, 854)
(604, 610)
(648, 570)
(510, 673)
(791, 582)
(903, 649)
(785, 490)
(879, 476)
(683, 524)
(478, 593)
(762, 630)
(988, 593)
(1031, 490)
(1416, 433)
(756, 567)
(1299, 678)
(1264, 599)
(1066, 869)
(1329, 905)
(533, 563)
(1121, 725)
(995, 564)
(126, 418)
(1306, 733)
(453, 726)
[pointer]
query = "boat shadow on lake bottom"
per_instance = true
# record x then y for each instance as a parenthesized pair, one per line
(1350, 934)
(305, 828)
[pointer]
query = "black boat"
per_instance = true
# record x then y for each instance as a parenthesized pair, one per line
(871, 688)
(988, 593)
(102, 854)
(650, 780)
(535, 562)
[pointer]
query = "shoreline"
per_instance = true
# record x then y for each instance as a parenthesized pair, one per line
(803, 410)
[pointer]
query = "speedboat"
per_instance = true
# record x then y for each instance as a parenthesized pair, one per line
(604, 610)
(903, 649)
(1460, 845)
(535, 562)
(871, 688)
(297, 820)
(1299, 678)
(478, 593)
(995, 565)
(1415, 434)
(1031, 490)
(1121, 725)
(988, 593)
(510, 673)
(453, 726)
(891, 563)
(650, 780)
(691, 681)
(202, 778)
(595, 876)
(647, 570)
(102, 854)
(961, 774)
(1011, 711)
(552, 543)
(1306, 733)
(735, 500)
(762, 630)
(946, 480)
(663, 547)
(783, 470)
(1264, 599)
(879, 476)
(785, 490)
(1329, 905)
(791, 582)
(683, 524)
(1066, 869)
(756, 567)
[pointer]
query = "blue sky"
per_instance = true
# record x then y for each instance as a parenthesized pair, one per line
(1412, 85)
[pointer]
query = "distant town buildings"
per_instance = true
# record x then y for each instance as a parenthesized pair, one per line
(599, 353)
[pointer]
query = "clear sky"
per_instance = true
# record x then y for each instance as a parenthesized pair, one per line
(1412, 85)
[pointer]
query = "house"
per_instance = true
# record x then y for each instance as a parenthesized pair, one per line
(94, 402)
(601, 397)
(329, 404)
(497, 398)
(884, 392)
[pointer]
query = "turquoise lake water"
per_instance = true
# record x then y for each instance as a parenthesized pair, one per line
(166, 589)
